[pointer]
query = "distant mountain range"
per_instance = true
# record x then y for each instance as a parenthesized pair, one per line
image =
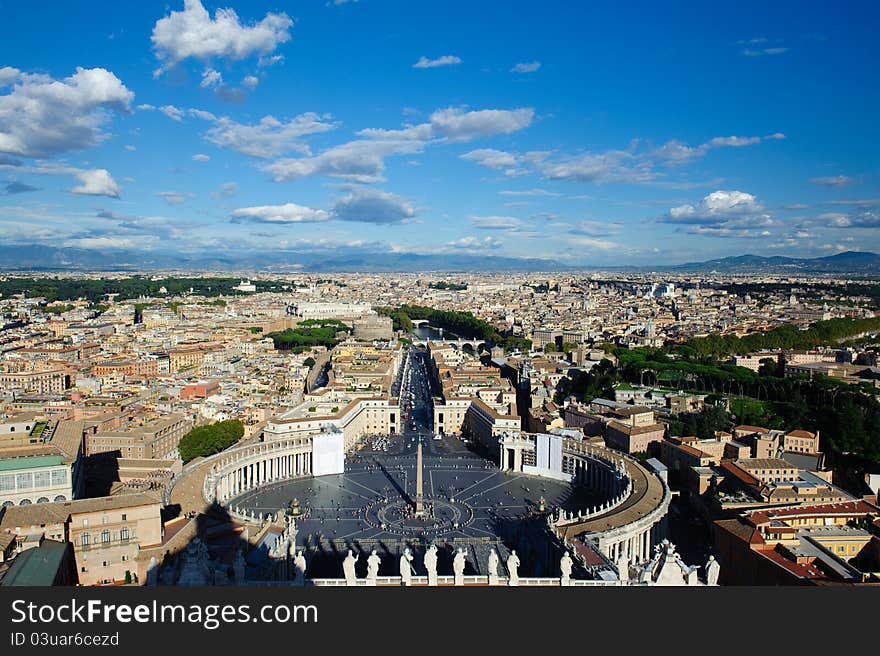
(853, 262)
(351, 259)
(42, 258)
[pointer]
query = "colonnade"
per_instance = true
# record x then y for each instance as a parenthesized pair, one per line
(256, 465)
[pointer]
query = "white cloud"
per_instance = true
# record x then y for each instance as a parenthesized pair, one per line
(832, 181)
(363, 160)
(445, 60)
(172, 197)
(287, 213)
(211, 78)
(474, 244)
(172, 112)
(200, 157)
(632, 165)
(594, 243)
(373, 206)
(760, 52)
(457, 124)
(269, 137)
(526, 67)
(43, 117)
(263, 62)
(723, 214)
(497, 223)
(96, 182)
(717, 206)
(358, 161)
(528, 192)
(8, 75)
(250, 81)
(130, 148)
(491, 158)
(193, 33)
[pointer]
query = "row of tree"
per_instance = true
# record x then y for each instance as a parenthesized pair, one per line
(208, 440)
(307, 335)
(463, 324)
(788, 336)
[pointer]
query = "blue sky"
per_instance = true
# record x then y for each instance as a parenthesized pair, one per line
(592, 134)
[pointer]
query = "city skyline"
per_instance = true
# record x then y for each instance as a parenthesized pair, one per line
(367, 128)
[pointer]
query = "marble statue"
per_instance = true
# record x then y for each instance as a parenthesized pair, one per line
(373, 562)
(153, 572)
(565, 567)
(712, 571)
(299, 564)
(493, 566)
(406, 567)
(512, 568)
(622, 567)
(431, 564)
(458, 565)
(348, 568)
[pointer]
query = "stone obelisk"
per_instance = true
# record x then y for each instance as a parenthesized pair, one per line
(420, 504)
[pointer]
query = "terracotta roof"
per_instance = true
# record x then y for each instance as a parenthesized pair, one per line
(750, 429)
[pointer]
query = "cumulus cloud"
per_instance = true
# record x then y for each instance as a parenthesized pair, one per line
(287, 213)
(193, 33)
(96, 182)
(42, 117)
(268, 138)
(250, 81)
(201, 157)
(373, 206)
(724, 214)
(832, 181)
(357, 161)
(363, 160)
(8, 75)
(474, 244)
(445, 60)
(457, 124)
(526, 67)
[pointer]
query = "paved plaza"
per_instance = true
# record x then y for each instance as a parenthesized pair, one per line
(468, 500)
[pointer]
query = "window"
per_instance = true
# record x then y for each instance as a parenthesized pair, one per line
(105, 536)
(124, 517)
(7, 482)
(123, 534)
(85, 539)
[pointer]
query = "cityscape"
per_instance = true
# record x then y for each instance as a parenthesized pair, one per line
(309, 295)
